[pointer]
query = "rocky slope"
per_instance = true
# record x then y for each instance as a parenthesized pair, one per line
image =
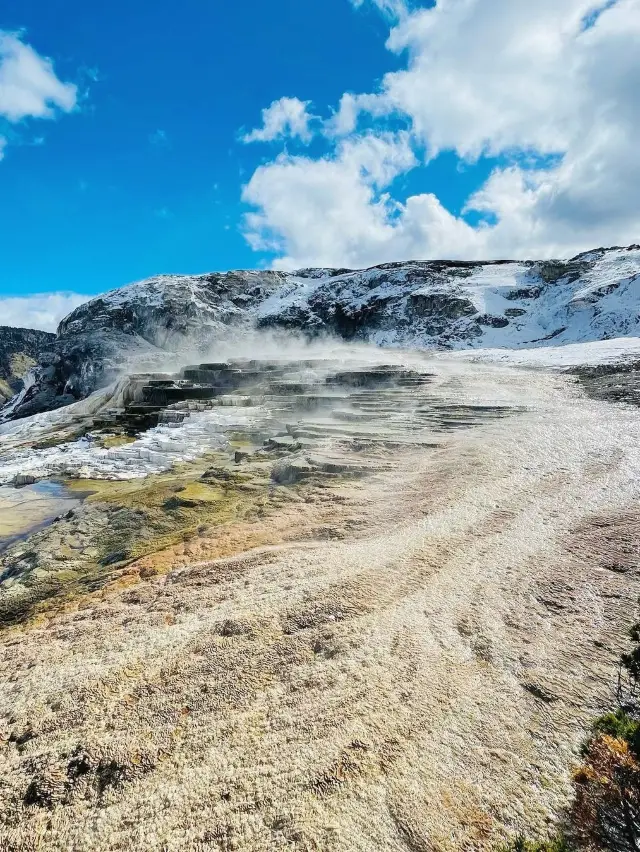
(456, 305)
(137, 326)
(437, 304)
(20, 349)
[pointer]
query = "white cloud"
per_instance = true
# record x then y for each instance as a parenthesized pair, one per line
(43, 311)
(318, 211)
(345, 119)
(342, 215)
(29, 87)
(285, 117)
(392, 8)
(553, 82)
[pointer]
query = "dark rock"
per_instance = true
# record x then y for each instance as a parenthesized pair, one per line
(443, 304)
(540, 692)
(612, 382)
(524, 293)
(174, 503)
(22, 738)
(217, 474)
(20, 349)
(552, 271)
(22, 479)
(291, 471)
(114, 558)
(494, 322)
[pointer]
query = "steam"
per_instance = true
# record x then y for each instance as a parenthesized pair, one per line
(238, 343)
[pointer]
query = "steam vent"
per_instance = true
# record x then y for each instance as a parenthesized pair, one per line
(323, 417)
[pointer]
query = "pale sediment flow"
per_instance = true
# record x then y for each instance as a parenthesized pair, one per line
(153, 452)
(424, 684)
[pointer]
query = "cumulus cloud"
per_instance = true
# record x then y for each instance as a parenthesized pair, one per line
(345, 120)
(29, 87)
(549, 87)
(338, 204)
(285, 117)
(343, 216)
(43, 311)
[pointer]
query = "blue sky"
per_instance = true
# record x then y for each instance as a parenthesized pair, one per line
(211, 135)
(107, 198)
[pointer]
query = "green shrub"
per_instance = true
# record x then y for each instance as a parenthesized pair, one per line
(621, 726)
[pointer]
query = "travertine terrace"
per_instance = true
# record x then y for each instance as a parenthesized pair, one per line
(363, 637)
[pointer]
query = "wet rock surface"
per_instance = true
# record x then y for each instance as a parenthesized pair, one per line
(612, 382)
(28, 505)
(282, 405)
(269, 423)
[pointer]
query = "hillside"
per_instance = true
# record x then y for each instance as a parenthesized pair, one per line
(270, 590)
(416, 304)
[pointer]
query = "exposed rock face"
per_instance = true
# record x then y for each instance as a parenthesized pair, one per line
(20, 349)
(461, 304)
(138, 324)
(436, 304)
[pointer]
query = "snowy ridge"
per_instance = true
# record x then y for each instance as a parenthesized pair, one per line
(417, 304)
(594, 296)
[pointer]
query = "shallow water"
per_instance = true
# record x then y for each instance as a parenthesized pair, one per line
(23, 510)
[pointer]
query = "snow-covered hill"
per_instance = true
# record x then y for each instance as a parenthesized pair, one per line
(594, 296)
(139, 327)
(432, 304)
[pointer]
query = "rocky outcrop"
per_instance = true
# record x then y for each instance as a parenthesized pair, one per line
(20, 349)
(460, 304)
(422, 304)
(138, 326)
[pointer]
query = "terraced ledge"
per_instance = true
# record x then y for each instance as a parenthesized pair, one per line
(123, 521)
